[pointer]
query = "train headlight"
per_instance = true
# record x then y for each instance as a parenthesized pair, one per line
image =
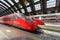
(16, 22)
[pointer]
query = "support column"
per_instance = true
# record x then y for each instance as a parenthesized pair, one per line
(32, 6)
(58, 5)
(24, 6)
(43, 6)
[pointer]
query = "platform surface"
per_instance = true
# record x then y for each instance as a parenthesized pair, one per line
(9, 33)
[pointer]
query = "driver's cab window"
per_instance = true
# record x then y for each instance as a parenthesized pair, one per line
(24, 16)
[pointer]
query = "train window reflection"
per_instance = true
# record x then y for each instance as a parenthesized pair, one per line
(6, 19)
(14, 17)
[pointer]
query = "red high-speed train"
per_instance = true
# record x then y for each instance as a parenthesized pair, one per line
(21, 22)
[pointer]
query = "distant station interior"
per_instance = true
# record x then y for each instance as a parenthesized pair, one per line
(29, 19)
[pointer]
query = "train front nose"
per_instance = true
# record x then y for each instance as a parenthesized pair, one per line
(42, 23)
(34, 27)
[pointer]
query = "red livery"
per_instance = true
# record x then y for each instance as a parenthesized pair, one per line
(39, 22)
(36, 20)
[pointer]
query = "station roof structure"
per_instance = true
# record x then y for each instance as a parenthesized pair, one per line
(28, 7)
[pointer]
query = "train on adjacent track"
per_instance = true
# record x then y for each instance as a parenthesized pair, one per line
(21, 22)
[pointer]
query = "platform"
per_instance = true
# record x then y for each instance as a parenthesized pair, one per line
(10, 33)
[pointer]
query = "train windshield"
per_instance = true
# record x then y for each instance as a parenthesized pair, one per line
(24, 16)
(14, 17)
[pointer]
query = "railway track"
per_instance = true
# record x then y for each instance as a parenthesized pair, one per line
(49, 28)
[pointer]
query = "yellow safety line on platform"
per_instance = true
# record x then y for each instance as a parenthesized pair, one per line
(46, 28)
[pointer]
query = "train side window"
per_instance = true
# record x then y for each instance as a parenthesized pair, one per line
(6, 19)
